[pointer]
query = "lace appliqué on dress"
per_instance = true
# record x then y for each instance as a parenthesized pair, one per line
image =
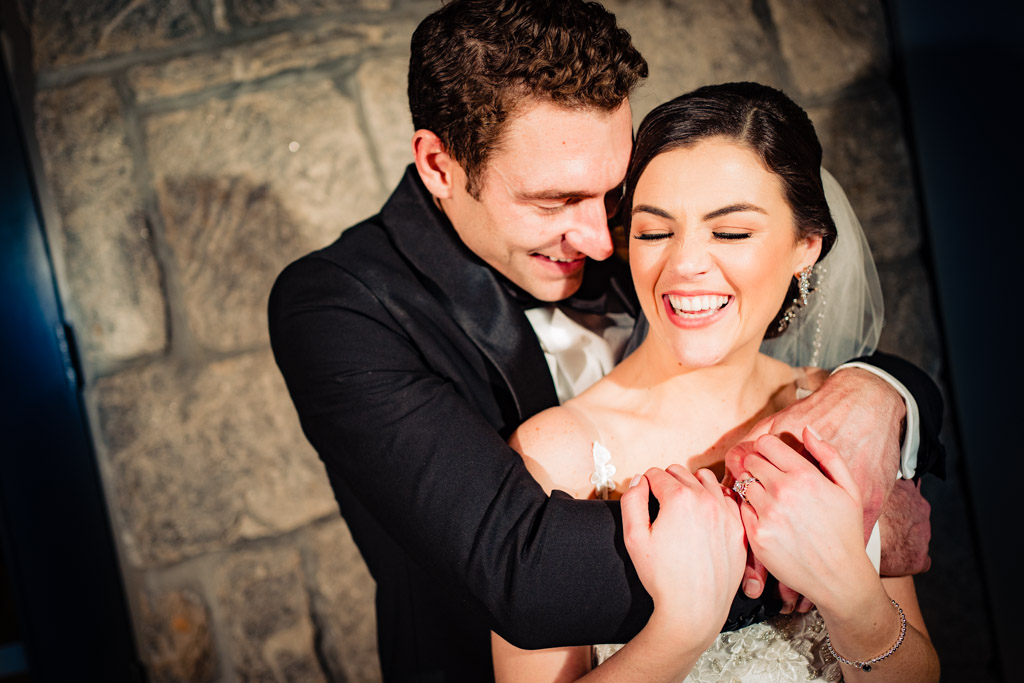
(783, 649)
(604, 470)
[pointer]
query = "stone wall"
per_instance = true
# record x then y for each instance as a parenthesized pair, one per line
(195, 147)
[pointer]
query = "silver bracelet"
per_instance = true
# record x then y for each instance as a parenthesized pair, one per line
(866, 666)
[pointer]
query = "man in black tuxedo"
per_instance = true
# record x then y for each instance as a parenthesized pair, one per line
(410, 358)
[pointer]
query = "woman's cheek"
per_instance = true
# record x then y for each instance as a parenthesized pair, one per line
(646, 266)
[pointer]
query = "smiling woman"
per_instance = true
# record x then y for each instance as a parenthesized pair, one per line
(727, 217)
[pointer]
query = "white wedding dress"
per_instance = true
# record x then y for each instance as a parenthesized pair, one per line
(784, 648)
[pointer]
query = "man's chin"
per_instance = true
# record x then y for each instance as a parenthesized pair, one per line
(553, 292)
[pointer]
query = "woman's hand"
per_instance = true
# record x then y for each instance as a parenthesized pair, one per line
(805, 525)
(692, 557)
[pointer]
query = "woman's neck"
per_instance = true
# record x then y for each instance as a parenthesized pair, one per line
(652, 409)
(738, 386)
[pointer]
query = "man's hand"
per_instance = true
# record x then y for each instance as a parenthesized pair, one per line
(861, 415)
(906, 529)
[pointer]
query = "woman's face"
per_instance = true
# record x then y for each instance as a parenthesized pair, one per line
(712, 250)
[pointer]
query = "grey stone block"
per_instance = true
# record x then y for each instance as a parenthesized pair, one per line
(198, 459)
(689, 44)
(911, 330)
(116, 300)
(265, 611)
(343, 603)
(246, 186)
(250, 12)
(72, 32)
(865, 150)
(382, 89)
(289, 50)
(829, 45)
(175, 641)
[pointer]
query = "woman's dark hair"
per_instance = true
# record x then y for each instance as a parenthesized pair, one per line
(760, 118)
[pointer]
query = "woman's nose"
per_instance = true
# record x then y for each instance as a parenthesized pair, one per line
(690, 257)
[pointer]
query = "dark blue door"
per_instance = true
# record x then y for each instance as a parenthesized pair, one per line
(65, 612)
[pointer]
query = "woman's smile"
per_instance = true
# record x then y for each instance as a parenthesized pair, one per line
(696, 310)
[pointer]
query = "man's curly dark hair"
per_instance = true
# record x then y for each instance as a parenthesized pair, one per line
(475, 61)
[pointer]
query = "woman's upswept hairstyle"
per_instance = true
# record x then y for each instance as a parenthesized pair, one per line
(756, 116)
(474, 61)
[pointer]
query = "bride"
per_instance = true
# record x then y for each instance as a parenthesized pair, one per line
(729, 230)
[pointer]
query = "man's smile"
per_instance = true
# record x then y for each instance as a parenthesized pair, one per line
(561, 264)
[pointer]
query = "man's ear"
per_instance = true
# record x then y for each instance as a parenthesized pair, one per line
(437, 169)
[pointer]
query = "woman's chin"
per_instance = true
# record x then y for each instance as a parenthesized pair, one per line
(697, 356)
(698, 359)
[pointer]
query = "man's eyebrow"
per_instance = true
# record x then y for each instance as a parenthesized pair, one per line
(733, 208)
(556, 194)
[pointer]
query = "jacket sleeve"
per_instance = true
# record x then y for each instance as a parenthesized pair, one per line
(441, 481)
(931, 454)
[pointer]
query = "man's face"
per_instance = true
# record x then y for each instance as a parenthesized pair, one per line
(542, 209)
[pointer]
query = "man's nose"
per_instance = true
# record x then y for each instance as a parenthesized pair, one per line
(589, 233)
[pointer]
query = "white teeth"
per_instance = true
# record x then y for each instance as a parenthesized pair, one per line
(697, 305)
(558, 260)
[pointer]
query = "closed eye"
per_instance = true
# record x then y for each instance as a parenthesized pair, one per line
(555, 208)
(731, 235)
(551, 209)
(650, 236)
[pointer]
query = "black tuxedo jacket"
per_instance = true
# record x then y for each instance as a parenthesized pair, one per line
(410, 362)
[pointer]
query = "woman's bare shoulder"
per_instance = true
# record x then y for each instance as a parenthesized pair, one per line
(810, 377)
(556, 446)
(790, 383)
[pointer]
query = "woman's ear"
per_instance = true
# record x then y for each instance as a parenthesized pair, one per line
(807, 252)
(437, 169)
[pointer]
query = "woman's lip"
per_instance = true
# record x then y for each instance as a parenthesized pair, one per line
(695, 292)
(696, 320)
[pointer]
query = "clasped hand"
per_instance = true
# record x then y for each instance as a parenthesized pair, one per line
(802, 520)
(803, 517)
(691, 558)
(861, 415)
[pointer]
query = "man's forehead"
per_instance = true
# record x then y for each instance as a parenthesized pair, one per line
(551, 151)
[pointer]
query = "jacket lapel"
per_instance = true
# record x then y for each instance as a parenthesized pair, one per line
(471, 292)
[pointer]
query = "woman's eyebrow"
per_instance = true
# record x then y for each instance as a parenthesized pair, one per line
(733, 208)
(647, 208)
(725, 210)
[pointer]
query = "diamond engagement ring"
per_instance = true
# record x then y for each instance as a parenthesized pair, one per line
(740, 487)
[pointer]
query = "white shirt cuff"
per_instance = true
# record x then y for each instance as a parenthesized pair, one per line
(912, 436)
(874, 548)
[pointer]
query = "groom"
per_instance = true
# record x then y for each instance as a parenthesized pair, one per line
(481, 294)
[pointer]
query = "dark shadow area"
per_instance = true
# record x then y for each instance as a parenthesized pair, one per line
(959, 72)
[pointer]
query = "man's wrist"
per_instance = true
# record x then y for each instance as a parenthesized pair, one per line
(912, 435)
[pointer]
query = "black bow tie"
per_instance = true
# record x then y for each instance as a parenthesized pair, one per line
(585, 300)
